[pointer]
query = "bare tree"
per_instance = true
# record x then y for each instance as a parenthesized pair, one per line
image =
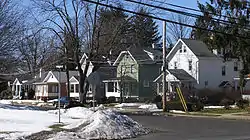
(176, 31)
(11, 28)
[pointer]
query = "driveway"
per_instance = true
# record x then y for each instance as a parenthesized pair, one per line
(186, 128)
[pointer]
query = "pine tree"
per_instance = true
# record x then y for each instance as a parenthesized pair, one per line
(144, 30)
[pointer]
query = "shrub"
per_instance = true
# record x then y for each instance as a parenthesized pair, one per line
(31, 94)
(226, 103)
(157, 99)
(242, 103)
(6, 94)
(111, 99)
(130, 100)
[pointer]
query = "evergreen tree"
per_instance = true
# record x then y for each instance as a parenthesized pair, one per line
(236, 13)
(111, 31)
(144, 30)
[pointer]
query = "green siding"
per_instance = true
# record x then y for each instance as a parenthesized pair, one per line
(141, 72)
(124, 69)
(148, 72)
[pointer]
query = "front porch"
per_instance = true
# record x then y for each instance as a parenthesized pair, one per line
(125, 85)
(174, 78)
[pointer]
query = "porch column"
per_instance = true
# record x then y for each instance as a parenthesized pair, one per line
(158, 89)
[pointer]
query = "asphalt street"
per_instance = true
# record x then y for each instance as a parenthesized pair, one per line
(186, 128)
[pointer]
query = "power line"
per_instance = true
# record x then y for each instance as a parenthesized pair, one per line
(162, 19)
(186, 13)
(192, 9)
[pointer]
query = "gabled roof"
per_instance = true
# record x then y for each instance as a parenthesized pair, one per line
(180, 74)
(199, 48)
(63, 76)
(140, 55)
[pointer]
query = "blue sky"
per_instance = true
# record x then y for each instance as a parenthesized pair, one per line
(186, 3)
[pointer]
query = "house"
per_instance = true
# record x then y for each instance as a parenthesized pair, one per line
(48, 86)
(21, 82)
(100, 68)
(208, 68)
(136, 70)
(95, 80)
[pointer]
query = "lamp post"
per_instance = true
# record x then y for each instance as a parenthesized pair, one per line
(59, 92)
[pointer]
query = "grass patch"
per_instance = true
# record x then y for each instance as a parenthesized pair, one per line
(223, 110)
(57, 127)
(110, 104)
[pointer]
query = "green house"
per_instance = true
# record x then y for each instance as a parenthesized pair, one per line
(136, 70)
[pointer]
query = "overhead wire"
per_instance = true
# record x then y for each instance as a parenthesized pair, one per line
(225, 22)
(163, 19)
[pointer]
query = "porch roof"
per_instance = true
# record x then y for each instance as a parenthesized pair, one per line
(125, 78)
(178, 75)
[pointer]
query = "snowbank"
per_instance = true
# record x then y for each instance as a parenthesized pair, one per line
(177, 111)
(148, 106)
(128, 105)
(218, 107)
(5, 102)
(104, 124)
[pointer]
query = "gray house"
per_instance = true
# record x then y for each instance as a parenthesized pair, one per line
(136, 70)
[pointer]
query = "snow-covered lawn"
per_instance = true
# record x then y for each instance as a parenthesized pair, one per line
(19, 121)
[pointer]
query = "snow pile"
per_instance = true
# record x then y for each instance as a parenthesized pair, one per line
(148, 106)
(128, 105)
(5, 102)
(103, 124)
(177, 111)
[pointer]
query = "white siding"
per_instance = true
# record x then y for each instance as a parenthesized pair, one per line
(210, 72)
(182, 59)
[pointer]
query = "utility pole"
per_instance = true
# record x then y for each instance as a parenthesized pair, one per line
(59, 92)
(164, 68)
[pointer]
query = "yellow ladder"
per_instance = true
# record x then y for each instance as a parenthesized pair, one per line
(183, 102)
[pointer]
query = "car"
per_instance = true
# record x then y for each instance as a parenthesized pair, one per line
(66, 102)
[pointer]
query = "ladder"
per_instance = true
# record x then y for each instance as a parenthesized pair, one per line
(183, 102)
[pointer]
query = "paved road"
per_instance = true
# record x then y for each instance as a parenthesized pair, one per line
(185, 128)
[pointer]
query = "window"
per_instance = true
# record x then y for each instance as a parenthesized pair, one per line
(110, 87)
(235, 66)
(55, 89)
(146, 83)
(175, 65)
(181, 50)
(71, 88)
(77, 88)
(190, 65)
(206, 83)
(132, 68)
(223, 71)
(184, 49)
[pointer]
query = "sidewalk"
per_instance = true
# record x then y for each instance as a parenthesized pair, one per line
(230, 116)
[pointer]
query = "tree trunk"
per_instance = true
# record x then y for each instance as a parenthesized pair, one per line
(83, 75)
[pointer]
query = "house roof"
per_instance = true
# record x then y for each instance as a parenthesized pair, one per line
(141, 55)
(180, 74)
(63, 76)
(199, 48)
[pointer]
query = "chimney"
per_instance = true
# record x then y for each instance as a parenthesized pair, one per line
(40, 73)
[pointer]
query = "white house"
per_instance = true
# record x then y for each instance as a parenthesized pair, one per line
(208, 69)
